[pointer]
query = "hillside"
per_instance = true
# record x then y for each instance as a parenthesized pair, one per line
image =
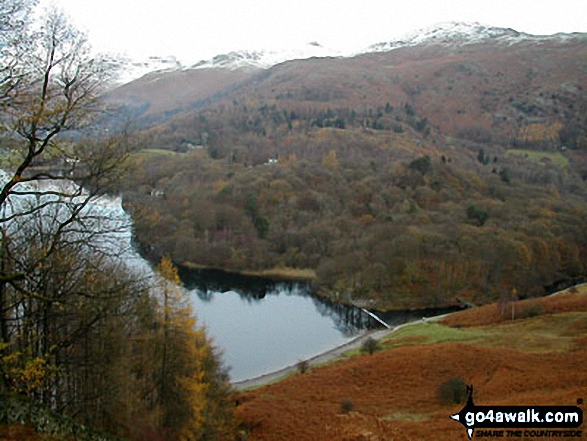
(468, 80)
(170, 88)
(159, 95)
(446, 170)
(536, 359)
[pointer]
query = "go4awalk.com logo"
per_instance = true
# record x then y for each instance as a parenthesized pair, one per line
(517, 421)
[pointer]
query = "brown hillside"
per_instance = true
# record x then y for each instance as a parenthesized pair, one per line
(491, 314)
(178, 90)
(482, 92)
(404, 179)
(395, 392)
(475, 88)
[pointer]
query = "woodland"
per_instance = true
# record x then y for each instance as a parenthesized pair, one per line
(89, 348)
(375, 204)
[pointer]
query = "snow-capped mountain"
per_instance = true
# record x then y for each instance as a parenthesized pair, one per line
(236, 60)
(264, 59)
(133, 69)
(457, 33)
(450, 33)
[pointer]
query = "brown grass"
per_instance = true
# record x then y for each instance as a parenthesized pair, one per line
(284, 273)
(15, 432)
(394, 392)
(490, 314)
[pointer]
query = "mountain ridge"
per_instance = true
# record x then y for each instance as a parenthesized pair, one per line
(445, 33)
(456, 86)
(265, 59)
(463, 33)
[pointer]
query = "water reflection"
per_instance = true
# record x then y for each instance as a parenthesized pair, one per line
(210, 281)
(264, 325)
(205, 284)
(350, 321)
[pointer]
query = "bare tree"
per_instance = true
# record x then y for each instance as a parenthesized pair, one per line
(49, 97)
(73, 316)
(14, 22)
(52, 166)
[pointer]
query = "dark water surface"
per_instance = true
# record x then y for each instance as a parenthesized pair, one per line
(264, 325)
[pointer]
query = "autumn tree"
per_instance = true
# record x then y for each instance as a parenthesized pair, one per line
(73, 315)
(63, 288)
(191, 387)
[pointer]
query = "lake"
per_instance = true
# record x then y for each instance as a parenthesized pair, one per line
(263, 325)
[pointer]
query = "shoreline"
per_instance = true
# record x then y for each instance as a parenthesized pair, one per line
(327, 356)
(281, 274)
(338, 351)
(309, 276)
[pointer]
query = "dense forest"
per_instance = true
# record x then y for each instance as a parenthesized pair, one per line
(384, 208)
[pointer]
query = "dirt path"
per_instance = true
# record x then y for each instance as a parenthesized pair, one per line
(332, 354)
(338, 351)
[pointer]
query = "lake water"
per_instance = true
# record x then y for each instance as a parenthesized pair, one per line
(263, 325)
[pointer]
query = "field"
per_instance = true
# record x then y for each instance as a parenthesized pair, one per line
(536, 359)
(556, 158)
(150, 153)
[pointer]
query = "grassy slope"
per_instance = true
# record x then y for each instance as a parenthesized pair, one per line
(556, 158)
(537, 360)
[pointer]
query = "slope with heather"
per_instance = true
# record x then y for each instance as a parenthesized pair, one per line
(468, 80)
(535, 359)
